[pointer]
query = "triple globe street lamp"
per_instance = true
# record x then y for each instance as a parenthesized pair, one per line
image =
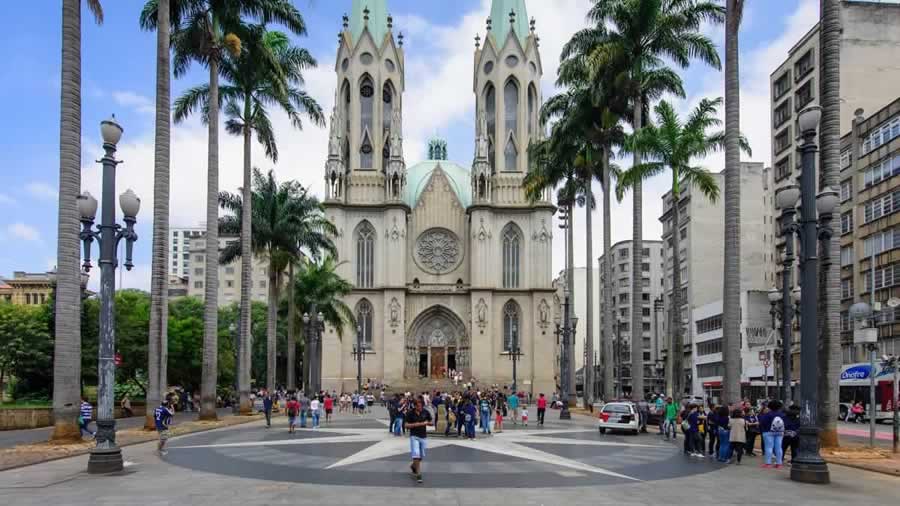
(106, 456)
(785, 305)
(314, 326)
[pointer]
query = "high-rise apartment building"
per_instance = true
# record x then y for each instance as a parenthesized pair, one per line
(702, 251)
(179, 256)
(229, 274)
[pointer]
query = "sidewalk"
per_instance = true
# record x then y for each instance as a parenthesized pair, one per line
(34, 453)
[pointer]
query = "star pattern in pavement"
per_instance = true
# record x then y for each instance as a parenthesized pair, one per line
(511, 443)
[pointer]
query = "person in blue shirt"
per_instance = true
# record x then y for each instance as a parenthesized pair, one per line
(513, 402)
(791, 431)
(772, 426)
(694, 419)
(162, 416)
(485, 405)
(86, 413)
(469, 413)
(267, 408)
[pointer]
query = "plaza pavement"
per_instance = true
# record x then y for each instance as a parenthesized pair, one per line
(250, 464)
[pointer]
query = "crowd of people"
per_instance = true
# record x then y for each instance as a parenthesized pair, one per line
(728, 433)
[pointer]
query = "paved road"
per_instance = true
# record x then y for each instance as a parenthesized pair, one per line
(10, 438)
(455, 472)
(858, 433)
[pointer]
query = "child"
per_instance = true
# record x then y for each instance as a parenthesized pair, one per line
(525, 415)
(498, 424)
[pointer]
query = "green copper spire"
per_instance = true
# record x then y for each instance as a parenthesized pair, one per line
(500, 25)
(377, 23)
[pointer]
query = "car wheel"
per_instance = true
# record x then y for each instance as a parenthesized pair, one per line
(602, 430)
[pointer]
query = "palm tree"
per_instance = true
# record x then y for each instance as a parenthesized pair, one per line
(318, 283)
(638, 35)
(268, 70)
(671, 144)
(157, 345)
(829, 280)
(731, 324)
(67, 344)
(288, 222)
(202, 29)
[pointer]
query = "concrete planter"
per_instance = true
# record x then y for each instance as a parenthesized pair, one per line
(33, 418)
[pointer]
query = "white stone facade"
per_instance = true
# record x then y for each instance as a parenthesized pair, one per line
(441, 266)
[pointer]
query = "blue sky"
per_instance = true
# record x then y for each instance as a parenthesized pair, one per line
(118, 77)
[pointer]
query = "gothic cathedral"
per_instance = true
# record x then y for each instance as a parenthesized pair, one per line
(451, 263)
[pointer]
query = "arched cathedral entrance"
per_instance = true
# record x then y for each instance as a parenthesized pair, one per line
(436, 343)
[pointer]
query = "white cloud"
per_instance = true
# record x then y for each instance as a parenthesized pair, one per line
(42, 190)
(22, 231)
(6, 199)
(135, 101)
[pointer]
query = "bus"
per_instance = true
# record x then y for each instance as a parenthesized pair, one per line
(855, 384)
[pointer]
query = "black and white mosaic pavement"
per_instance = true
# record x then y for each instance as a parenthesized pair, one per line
(360, 452)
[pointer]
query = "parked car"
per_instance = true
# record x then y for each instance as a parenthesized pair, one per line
(619, 416)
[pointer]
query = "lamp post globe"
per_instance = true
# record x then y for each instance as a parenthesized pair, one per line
(111, 131)
(808, 119)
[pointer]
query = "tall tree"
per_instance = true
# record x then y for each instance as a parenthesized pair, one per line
(203, 31)
(829, 173)
(731, 325)
(639, 34)
(672, 144)
(267, 71)
(157, 346)
(317, 282)
(67, 345)
(288, 222)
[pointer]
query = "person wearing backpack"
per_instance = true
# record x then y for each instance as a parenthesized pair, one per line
(772, 426)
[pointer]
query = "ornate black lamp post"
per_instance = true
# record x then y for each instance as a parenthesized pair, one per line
(359, 352)
(809, 467)
(314, 324)
(514, 354)
(106, 456)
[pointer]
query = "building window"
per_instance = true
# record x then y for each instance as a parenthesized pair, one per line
(710, 370)
(365, 255)
(198, 258)
(645, 327)
(884, 277)
(846, 158)
(846, 288)
(645, 311)
(880, 242)
(623, 267)
(512, 246)
(782, 113)
(511, 116)
(846, 222)
(623, 298)
(882, 134)
(229, 270)
(198, 271)
(881, 206)
(367, 118)
(645, 267)
(782, 142)
(805, 94)
(262, 284)
(845, 321)
(709, 347)
(782, 85)
(623, 253)
(783, 168)
(709, 324)
(645, 253)
(645, 282)
(198, 284)
(804, 65)
(846, 256)
(881, 170)
(364, 321)
(27, 298)
(229, 284)
(510, 321)
(490, 110)
(846, 190)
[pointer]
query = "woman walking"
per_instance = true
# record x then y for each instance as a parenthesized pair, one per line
(771, 424)
(738, 436)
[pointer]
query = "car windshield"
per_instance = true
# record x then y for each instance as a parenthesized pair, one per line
(616, 408)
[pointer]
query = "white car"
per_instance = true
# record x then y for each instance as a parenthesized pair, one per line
(619, 416)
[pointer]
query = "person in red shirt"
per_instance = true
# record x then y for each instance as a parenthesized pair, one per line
(541, 408)
(329, 407)
(293, 409)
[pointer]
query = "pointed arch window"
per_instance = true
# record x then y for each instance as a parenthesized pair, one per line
(364, 318)
(511, 154)
(365, 255)
(511, 330)
(490, 112)
(367, 115)
(344, 104)
(532, 117)
(512, 252)
(511, 115)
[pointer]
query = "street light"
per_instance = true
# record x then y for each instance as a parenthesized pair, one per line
(314, 327)
(892, 364)
(786, 200)
(809, 466)
(359, 353)
(514, 354)
(106, 456)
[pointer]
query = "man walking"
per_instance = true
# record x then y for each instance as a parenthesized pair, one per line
(293, 409)
(417, 421)
(541, 409)
(267, 408)
(671, 417)
(163, 418)
(304, 408)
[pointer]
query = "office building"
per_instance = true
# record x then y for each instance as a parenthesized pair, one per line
(179, 256)
(229, 274)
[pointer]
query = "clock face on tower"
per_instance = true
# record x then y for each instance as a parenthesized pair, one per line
(438, 251)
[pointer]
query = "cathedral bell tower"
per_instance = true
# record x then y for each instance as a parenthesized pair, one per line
(507, 86)
(365, 149)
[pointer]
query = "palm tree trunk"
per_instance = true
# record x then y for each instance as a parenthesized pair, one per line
(271, 324)
(209, 374)
(291, 339)
(829, 280)
(570, 277)
(637, 245)
(157, 340)
(731, 322)
(609, 314)
(245, 359)
(67, 344)
(589, 297)
(306, 359)
(676, 351)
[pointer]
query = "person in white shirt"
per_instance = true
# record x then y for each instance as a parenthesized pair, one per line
(314, 410)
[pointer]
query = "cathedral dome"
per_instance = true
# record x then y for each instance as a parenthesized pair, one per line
(418, 175)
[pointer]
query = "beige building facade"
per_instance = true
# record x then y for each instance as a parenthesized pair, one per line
(451, 264)
(229, 274)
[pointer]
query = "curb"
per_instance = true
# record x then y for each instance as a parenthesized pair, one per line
(244, 420)
(863, 467)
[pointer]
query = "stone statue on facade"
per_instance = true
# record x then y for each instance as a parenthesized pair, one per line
(481, 312)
